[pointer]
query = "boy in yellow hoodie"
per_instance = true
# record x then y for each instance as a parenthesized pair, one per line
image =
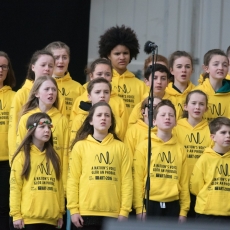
(210, 177)
(169, 192)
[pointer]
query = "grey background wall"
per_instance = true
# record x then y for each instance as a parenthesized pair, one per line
(195, 26)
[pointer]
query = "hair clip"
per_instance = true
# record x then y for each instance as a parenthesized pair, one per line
(41, 123)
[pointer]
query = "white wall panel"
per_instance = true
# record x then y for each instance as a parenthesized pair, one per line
(191, 25)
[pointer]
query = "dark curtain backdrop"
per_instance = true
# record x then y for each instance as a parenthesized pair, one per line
(29, 25)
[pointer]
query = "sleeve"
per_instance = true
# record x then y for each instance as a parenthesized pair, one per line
(135, 114)
(61, 104)
(184, 196)
(130, 142)
(15, 109)
(65, 150)
(73, 181)
(120, 128)
(126, 184)
(61, 199)
(76, 125)
(16, 183)
(139, 174)
(123, 112)
(73, 112)
(197, 178)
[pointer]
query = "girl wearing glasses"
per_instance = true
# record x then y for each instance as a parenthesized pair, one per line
(7, 82)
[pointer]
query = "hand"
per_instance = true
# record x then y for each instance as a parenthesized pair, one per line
(59, 223)
(182, 219)
(141, 216)
(77, 220)
(18, 224)
(122, 218)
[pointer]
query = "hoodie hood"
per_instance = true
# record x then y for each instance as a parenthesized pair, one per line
(157, 141)
(67, 77)
(207, 87)
(28, 84)
(173, 92)
(200, 126)
(211, 152)
(109, 138)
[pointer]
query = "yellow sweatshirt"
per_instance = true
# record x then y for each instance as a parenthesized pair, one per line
(177, 98)
(100, 179)
(116, 103)
(70, 90)
(210, 183)
(195, 140)
(60, 134)
(40, 199)
(129, 88)
(136, 112)
(81, 116)
(218, 102)
(168, 173)
(6, 98)
(19, 100)
(135, 134)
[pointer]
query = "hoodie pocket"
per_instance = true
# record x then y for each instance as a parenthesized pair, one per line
(101, 197)
(218, 203)
(44, 205)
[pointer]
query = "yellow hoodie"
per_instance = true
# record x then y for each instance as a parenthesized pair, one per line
(70, 90)
(168, 173)
(100, 179)
(6, 98)
(136, 112)
(40, 199)
(211, 184)
(60, 134)
(116, 103)
(135, 134)
(19, 100)
(177, 98)
(81, 116)
(129, 88)
(195, 140)
(218, 102)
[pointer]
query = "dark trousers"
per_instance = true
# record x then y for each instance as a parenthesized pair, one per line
(171, 210)
(191, 212)
(4, 194)
(39, 227)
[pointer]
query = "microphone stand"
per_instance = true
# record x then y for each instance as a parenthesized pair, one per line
(150, 118)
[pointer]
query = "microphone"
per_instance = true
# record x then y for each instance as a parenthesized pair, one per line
(149, 46)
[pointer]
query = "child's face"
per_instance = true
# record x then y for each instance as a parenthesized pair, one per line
(119, 57)
(182, 70)
(3, 73)
(47, 93)
(165, 119)
(100, 92)
(101, 120)
(222, 139)
(43, 66)
(218, 67)
(61, 61)
(160, 81)
(196, 106)
(102, 70)
(42, 132)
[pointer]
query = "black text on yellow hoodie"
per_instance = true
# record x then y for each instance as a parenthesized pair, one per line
(194, 139)
(40, 199)
(211, 184)
(129, 88)
(100, 180)
(168, 173)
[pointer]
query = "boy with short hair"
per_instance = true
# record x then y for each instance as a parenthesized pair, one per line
(210, 180)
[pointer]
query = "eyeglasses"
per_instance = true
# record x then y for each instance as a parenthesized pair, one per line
(4, 67)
